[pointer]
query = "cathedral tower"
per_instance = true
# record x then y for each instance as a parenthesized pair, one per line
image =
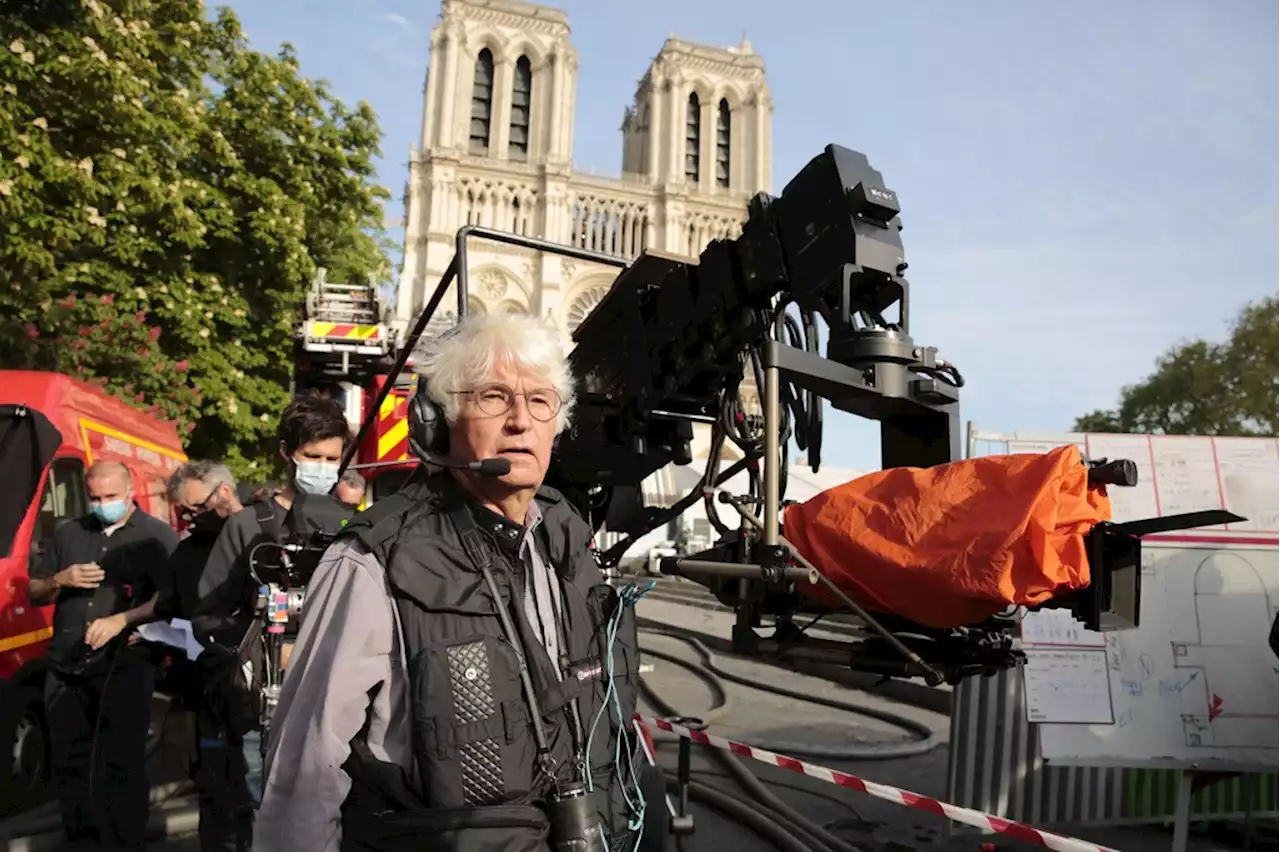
(702, 118)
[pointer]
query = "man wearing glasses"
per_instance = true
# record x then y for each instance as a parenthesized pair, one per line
(204, 493)
(452, 674)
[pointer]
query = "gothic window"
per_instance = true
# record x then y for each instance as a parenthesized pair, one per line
(582, 306)
(521, 98)
(482, 103)
(722, 145)
(692, 138)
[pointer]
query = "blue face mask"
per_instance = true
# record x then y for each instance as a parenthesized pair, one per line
(110, 513)
(315, 477)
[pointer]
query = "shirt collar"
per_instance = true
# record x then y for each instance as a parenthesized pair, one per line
(508, 533)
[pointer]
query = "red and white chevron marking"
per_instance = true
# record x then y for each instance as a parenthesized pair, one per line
(989, 822)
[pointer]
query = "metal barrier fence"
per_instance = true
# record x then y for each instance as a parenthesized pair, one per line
(994, 764)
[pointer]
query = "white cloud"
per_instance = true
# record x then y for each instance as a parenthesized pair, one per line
(400, 21)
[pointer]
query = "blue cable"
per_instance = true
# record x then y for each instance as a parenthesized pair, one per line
(629, 595)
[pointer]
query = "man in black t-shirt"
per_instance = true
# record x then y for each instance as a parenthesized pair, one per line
(103, 572)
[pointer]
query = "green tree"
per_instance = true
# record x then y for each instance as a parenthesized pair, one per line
(166, 194)
(1206, 388)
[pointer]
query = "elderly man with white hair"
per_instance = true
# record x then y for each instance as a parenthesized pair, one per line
(463, 677)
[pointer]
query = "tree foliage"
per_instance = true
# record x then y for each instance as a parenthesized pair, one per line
(166, 195)
(1206, 388)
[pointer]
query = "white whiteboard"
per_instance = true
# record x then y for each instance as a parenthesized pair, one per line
(1182, 473)
(1196, 683)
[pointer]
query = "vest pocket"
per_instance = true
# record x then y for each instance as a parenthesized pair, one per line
(470, 723)
(503, 828)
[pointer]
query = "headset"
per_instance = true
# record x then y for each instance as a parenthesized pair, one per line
(428, 429)
(429, 437)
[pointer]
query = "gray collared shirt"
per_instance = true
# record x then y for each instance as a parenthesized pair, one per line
(350, 644)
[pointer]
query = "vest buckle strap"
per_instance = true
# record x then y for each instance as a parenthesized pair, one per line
(515, 719)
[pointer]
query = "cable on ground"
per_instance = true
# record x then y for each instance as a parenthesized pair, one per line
(927, 740)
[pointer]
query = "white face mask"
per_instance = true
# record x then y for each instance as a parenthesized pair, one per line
(315, 477)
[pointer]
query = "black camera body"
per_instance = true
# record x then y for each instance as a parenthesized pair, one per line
(312, 524)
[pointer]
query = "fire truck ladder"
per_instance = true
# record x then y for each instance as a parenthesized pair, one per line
(342, 336)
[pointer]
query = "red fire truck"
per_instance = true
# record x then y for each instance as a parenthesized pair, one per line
(52, 427)
(345, 346)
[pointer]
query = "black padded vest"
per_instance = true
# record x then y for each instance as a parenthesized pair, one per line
(476, 783)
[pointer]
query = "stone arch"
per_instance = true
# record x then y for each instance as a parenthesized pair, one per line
(475, 307)
(511, 306)
(496, 43)
(583, 301)
(522, 45)
(728, 92)
(702, 89)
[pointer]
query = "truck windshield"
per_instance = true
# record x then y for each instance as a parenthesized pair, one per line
(64, 498)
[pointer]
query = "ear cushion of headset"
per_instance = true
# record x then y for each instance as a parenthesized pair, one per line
(427, 432)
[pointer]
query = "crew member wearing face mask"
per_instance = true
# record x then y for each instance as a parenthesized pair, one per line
(103, 573)
(312, 434)
(204, 493)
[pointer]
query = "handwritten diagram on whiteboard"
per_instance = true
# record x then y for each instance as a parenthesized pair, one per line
(1069, 687)
(1195, 684)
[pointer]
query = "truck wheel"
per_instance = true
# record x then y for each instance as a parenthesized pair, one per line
(24, 761)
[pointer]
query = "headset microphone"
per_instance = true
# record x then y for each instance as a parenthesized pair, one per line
(485, 467)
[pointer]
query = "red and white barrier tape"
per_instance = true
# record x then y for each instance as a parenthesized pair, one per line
(990, 822)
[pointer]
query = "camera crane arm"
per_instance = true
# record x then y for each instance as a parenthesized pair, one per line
(668, 345)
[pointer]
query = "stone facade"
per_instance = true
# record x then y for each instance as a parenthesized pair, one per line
(496, 150)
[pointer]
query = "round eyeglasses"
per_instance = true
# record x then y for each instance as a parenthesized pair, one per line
(496, 400)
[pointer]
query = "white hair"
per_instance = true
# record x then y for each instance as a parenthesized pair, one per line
(210, 473)
(467, 354)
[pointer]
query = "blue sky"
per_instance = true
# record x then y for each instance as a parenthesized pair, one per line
(1083, 184)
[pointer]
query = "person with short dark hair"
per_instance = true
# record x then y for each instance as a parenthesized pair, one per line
(103, 573)
(312, 435)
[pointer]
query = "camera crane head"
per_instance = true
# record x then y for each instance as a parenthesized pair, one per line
(668, 345)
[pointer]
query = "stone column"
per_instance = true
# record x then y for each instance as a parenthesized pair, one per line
(706, 145)
(447, 136)
(539, 111)
(431, 94)
(557, 75)
(570, 73)
(675, 133)
(654, 141)
(500, 107)
(760, 175)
